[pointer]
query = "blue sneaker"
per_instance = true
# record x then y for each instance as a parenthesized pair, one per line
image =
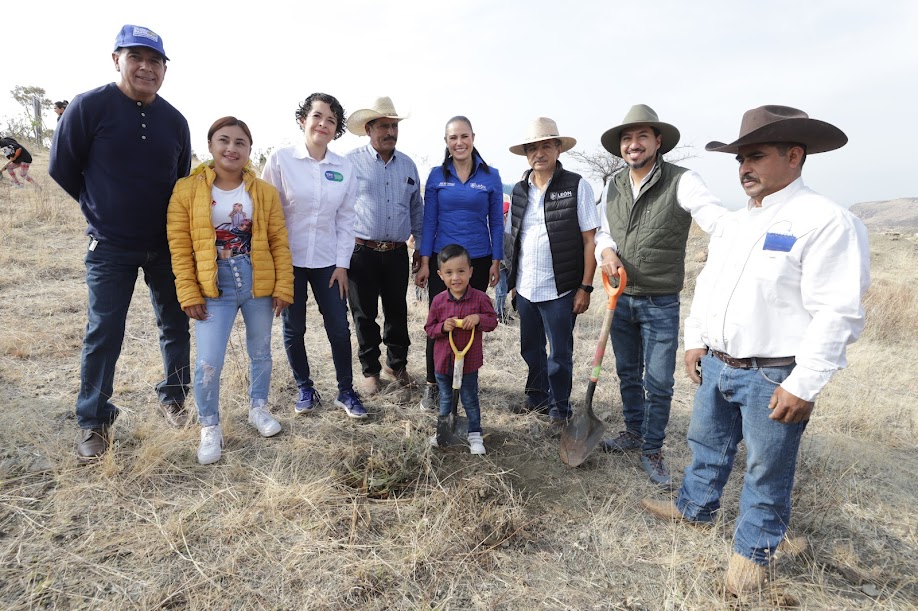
(309, 399)
(350, 402)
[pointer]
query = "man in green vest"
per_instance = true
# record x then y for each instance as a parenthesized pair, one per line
(649, 207)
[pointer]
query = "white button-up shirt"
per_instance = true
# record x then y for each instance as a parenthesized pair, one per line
(692, 196)
(318, 202)
(536, 270)
(785, 279)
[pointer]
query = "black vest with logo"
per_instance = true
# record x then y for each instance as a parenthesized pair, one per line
(564, 235)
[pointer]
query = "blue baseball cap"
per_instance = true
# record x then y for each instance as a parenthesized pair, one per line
(139, 36)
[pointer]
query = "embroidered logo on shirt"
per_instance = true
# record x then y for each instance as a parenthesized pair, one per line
(779, 242)
(478, 185)
(446, 184)
(553, 196)
(334, 176)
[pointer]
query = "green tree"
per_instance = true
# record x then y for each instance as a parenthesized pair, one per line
(34, 102)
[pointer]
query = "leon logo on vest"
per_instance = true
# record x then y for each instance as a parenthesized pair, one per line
(554, 196)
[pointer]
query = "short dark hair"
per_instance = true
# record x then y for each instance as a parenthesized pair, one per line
(528, 146)
(451, 251)
(332, 102)
(229, 122)
(784, 147)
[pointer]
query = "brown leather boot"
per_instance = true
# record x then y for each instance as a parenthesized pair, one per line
(667, 510)
(92, 443)
(174, 413)
(744, 576)
(370, 386)
(401, 376)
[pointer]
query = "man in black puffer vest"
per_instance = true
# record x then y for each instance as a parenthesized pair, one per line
(649, 207)
(552, 224)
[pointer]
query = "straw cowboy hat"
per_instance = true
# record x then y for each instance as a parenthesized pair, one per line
(640, 114)
(382, 107)
(541, 129)
(772, 123)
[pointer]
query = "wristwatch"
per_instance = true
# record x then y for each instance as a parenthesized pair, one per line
(586, 288)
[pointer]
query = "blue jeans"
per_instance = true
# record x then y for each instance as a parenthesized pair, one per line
(334, 313)
(731, 405)
(111, 272)
(468, 394)
(234, 279)
(500, 295)
(550, 376)
(645, 337)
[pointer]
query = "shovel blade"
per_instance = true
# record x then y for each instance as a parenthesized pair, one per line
(580, 436)
(452, 431)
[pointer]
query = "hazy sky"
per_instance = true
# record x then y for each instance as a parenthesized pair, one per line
(700, 65)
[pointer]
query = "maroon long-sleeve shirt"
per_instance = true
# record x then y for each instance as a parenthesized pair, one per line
(446, 306)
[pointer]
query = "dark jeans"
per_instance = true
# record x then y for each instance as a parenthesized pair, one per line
(468, 394)
(645, 337)
(373, 276)
(480, 268)
(111, 273)
(334, 313)
(550, 375)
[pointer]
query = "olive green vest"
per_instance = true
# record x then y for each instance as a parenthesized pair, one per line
(651, 232)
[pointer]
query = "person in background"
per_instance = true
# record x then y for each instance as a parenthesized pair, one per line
(317, 190)
(119, 150)
(500, 291)
(224, 267)
(59, 108)
(19, 158)
(462, 205)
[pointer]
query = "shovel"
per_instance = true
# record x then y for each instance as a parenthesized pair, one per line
(584, 431)
(452, 429)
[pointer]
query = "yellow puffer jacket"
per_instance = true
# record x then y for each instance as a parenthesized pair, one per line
(192, 239)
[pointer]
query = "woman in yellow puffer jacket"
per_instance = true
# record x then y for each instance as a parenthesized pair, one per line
(229, 252)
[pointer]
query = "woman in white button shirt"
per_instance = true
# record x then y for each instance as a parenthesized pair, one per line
(317, 190)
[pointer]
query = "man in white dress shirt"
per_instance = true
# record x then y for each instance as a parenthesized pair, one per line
(775, 307)
(647, 212)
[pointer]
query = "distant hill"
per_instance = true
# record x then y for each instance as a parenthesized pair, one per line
(895, 214)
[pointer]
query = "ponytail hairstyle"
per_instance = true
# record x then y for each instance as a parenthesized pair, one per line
(475, 153)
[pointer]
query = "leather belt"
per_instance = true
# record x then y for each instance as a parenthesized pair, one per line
(754, 362)
(380, 246)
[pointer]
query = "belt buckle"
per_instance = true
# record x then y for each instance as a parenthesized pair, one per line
(384, 246)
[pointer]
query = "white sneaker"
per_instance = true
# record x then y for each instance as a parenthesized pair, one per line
(433, 441)
(261, 419)
(476, 444)
(211, 446)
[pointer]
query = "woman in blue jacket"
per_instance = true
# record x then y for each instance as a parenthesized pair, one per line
(463, 204)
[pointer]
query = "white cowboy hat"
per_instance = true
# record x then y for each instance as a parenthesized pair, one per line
(541, 129)
(382, 107)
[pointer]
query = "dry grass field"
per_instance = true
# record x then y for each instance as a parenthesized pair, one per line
(335, 514)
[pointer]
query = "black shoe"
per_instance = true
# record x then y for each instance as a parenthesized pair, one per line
(431, 400)
(526, 407)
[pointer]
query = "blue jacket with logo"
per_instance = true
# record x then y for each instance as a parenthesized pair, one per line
(470, 214)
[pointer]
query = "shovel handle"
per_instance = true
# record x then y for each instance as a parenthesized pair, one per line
(456, 352)
(459, 356)
(615, 292)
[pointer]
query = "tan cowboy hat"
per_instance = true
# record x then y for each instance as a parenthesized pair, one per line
(640, 114)
(541, 129)
(382, 107)
(773, 123)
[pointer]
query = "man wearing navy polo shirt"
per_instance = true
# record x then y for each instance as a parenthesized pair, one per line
(118, 150)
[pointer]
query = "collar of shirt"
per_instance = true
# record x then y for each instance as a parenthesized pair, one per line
(636, 188)
(464, 297)
(301, 152)
(475, 167)
(779, 197)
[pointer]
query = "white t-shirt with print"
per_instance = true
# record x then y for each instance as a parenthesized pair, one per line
(231, 214)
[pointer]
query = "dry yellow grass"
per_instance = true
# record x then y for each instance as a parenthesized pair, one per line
(336, 514)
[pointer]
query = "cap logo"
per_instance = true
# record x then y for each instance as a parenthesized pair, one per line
(145, 33)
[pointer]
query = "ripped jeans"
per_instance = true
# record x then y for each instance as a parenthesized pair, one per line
(234, 279)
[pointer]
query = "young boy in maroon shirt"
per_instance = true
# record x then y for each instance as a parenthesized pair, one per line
(473, 307)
